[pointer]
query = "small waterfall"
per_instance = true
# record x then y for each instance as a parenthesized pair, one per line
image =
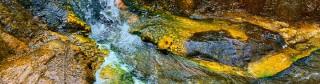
(142, 59)
(107, 29)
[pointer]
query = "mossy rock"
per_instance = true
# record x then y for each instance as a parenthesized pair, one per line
(115, 75)
(172, 33)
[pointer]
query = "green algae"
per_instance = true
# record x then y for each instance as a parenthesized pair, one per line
(114, 74)
(171, 32)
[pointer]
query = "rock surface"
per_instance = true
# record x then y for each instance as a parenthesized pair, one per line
(212, 41)
(257, 42)
(284, 10)
(53, 13)
(228, 43)
(31, 53)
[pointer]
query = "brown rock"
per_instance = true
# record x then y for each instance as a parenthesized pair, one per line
(284, 10)
(120, 4)
(16, 21)
(55, 61)
(186, 5)
(13, 43)
(30, 53)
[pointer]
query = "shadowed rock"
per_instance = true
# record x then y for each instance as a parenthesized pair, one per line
(219, 46)
(285, 10)
(30, 53)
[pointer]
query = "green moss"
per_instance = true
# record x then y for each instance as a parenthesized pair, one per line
(149, 7)
(170, 33)
(176, 30)
(116, 75)
(266, 75)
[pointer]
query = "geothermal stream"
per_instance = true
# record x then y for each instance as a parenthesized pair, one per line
(160, 41)
(128, 50)
(108, 34)
(141, 59)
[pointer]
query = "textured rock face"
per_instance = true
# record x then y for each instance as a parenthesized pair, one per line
(45, 42)
(229, 43)
(6, 50)
(15, 18)
(53, 13)
(219, 46)
(287, 10)
(54, 62)
(244, 45)
(44, 64)
(31, 53)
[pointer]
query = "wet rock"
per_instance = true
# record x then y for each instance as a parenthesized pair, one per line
(167, 33)
(58, 15)
(255, 44)
(219, 46)
(55, 60)
(270, 65)
(76, 24)
(5, 50)
(16, 21)
(53, 13)
(120, 4)
(285, 10)
(38, 55)
(178, 30)
(155, 67)
(115, 75)
(304, 70)
(266, 66)
(186, 5)
(146, 7)
(13, 43)
(215, 41)
(292, 32)
(93, 56)
(46, 64)
(108, 20)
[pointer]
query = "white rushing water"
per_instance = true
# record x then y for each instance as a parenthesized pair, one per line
(112, 33)
(113, 58)
(108, 29)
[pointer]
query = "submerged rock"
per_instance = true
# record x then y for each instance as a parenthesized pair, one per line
(116, 75)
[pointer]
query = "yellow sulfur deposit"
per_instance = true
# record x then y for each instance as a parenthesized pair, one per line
(113, 74)
(74, 20)
(193, 26)
(165, 42)
(270, 65)
(180, 29)
(172, 32)
(221, 68)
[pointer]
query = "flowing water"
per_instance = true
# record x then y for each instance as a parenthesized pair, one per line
(109, 30)
(146, 63)
(141, 59)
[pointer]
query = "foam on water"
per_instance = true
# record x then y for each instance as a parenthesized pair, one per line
(113, 32)
(125, 41)
(103, 16)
